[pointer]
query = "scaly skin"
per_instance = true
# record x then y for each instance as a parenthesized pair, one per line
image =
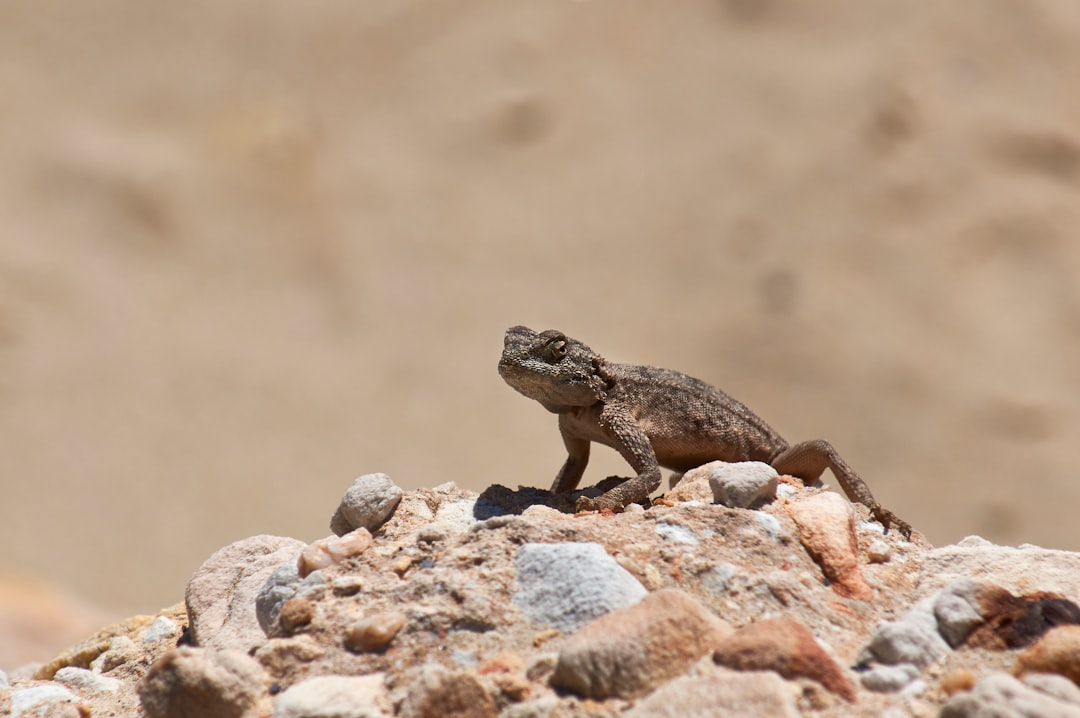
(655, 417)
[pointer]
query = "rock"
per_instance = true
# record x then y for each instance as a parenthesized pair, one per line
(878, 551)
(374, 633)
(989, 616)
(162, 628)
(46, 700)
(742, 485)
(784, 646)
(86, 681)
(631, 651)
(957, 610)
(438, 692)
(1058, 651)
(3, 680)
(221, 594)
(889, 679)
(912, 638)
(121, 650)
(999, 694)
(190, 682)
(335, 697)
(720, 693)
(296, 613)
(1017, 570)
(332, 550)
(570, 584)
(367, 504)
(694, 485)
(826, 525)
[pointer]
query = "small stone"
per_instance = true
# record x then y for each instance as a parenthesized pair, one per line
(999, 694)
(121, 650)
(1058, 651)
(957, 610)
(191, 682)
(912, 638)
(221, 594)
(163, 627)
(567, 585)
(86, 681)
(4, 680)
(631, 651)
(879, 551)
(889, 679)
(374, 633)
(335, 697)
(744, 484)
(719, 693)
(332, 550)
(826, 524)
(784, 646)
(694, 485)
(295, 614)
(955, 681)
(46, 700)
(438, 692)
(367, 504)
(401, 564)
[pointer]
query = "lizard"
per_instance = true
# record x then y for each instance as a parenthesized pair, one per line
(655, 417)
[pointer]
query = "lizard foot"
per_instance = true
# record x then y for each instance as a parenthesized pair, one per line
(584, 503)
(888, 519)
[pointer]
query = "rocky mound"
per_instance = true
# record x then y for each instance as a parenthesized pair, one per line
(441, 602)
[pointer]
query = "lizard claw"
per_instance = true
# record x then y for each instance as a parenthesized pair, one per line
(888, 519)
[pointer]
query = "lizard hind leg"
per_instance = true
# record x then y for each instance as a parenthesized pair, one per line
(809, 459)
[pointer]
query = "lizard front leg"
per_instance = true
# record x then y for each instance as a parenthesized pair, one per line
(808, 460)
(632, 443)
(577, 458)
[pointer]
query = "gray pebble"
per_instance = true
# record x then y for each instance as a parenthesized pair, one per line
(368, 503)
(956, 609)
(570, 584)
(912, 638)
(34, 701)
(889, 679)
(743, 485)
(86, 681)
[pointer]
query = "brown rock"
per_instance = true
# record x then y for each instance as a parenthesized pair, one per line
(374, 633)
(220, 596)
(295, 614)
(1016, 621)
(191, 682)
(631, 651)
(441, 693)
(784, 646)
(1058, 651)
(826, 524)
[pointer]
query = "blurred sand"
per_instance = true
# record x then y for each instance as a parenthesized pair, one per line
(249, 251)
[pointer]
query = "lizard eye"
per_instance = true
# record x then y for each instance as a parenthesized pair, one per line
(555, 350)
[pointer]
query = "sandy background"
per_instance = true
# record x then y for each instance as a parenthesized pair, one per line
(251, 250)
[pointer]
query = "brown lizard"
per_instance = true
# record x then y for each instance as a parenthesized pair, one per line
(655, 417)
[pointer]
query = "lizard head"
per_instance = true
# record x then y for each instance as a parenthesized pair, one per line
(550, 367)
